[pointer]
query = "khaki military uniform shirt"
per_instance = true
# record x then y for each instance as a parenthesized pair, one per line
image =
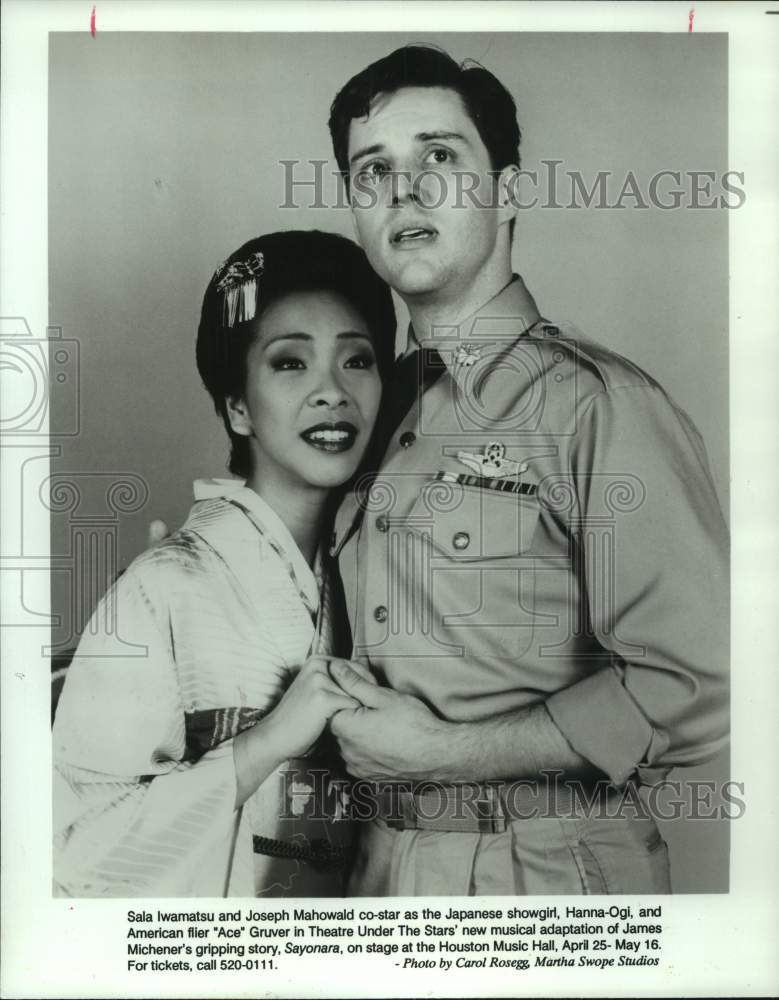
(544, 528)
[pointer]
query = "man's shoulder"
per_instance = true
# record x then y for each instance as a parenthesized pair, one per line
(551, 374)
(565, 351)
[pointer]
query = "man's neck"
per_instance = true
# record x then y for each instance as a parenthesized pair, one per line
(440, 309)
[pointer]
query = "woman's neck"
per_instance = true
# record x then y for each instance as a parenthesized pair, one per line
(303, 511)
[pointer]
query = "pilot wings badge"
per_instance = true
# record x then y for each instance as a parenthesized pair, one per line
(492, 464)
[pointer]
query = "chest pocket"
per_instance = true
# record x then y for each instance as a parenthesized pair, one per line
(471, 523)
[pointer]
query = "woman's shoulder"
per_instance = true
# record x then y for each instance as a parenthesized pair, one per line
(190, 549)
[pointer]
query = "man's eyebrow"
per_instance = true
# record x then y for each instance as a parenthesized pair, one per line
(441, 135)
(347, 334)
(367, 151)
(445, 136)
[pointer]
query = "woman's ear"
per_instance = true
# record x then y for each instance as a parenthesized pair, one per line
(238, 415)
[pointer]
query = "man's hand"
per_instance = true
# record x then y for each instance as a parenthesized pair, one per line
(392, 735)
(158, 532)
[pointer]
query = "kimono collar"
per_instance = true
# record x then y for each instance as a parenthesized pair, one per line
(236, 490)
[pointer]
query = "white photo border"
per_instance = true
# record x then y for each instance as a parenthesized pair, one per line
(714, 944)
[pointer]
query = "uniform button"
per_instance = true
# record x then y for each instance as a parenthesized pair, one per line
(461, 540)
(552, 331)
(407, 439)
(380, 613)
(382, 523)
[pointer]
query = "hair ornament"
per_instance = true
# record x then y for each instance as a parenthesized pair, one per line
(238, 284)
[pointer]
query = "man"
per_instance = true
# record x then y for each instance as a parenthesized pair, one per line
(537, 576)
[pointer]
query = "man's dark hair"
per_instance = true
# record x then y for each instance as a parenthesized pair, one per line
(293, 261)
(490, 106)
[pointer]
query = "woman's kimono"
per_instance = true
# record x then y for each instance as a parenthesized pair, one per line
(195, 642)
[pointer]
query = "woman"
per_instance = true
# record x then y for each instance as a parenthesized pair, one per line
(195, 687)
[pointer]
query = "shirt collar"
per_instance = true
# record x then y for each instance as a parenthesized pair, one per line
(502, 319)
(237, 490)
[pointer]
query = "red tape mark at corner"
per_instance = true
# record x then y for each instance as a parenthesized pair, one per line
(92, 28)
(690, 18)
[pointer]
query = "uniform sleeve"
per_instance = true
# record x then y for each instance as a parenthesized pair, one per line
(131, 816)
(654, 551)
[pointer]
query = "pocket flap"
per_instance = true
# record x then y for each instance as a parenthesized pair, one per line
(471, 523)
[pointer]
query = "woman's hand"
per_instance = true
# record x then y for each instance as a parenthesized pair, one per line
(308, 704)
(291, 728)
(391, 735)
(336, 664)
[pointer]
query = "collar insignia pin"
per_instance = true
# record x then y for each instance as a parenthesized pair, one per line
(467, 355)
(492, 464)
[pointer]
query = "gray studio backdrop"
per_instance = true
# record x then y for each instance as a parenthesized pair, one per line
(165, 154)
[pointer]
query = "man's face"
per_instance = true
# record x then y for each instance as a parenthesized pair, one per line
(411, 164)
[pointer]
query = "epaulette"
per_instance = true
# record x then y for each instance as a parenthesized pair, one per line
(611, 370)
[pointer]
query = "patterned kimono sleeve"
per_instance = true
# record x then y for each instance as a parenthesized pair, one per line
(132, 817)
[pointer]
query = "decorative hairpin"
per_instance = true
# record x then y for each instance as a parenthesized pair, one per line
(239, 286)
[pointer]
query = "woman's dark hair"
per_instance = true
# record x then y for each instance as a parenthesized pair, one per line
(292, 261)
(490, 106)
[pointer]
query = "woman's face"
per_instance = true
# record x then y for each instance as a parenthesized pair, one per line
(312, 393)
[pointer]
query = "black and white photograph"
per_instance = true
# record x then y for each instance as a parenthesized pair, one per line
(376, 501)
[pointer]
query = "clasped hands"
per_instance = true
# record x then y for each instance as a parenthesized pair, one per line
(388, 736)
(384, 734)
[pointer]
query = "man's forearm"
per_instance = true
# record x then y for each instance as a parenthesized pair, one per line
(520, 744)
(396, 736)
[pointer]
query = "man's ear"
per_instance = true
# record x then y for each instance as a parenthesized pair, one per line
(355, 230)
(508, 192)
(238, 415)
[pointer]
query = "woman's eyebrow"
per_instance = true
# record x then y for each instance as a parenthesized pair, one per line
(307, 337)
(288, 336)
